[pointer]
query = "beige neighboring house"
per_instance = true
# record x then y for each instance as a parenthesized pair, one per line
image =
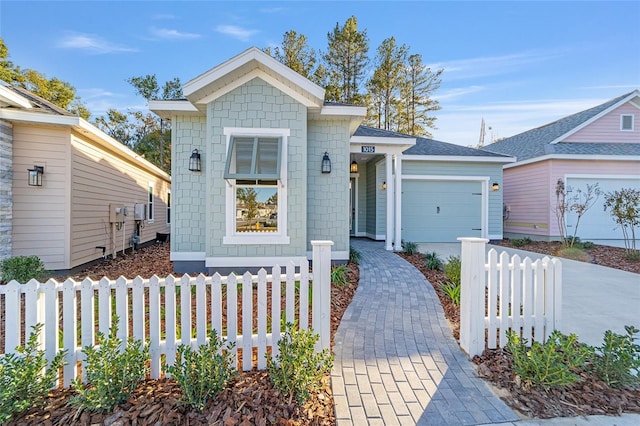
(69, 193)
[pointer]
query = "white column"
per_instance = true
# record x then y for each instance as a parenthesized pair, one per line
(321, 318)
(390, 209)
(398, 202)
(472, 295)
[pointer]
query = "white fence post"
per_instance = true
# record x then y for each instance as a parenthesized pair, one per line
(321, 258)
(472, 295)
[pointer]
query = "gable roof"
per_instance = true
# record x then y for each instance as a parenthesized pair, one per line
(423, 147)
(245, 66)
(426, 146)
(546, 140)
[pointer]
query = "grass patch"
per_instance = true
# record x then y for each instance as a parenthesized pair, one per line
(574, 253)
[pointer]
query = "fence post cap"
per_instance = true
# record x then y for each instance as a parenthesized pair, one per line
(321, 242)
(473, 240)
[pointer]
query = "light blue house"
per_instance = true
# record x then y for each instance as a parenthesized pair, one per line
(279, 167)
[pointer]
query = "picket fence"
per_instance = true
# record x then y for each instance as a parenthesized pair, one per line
(155, 310)
(499, 294)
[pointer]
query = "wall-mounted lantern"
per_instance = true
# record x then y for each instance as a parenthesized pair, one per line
(326, 163)
(354, 167)
(35, 175)
(195, 164)
(495, 186)
(384, 186)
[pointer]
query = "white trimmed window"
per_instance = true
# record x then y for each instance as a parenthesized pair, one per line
(150, 200)
(256, 188)
(626, 122)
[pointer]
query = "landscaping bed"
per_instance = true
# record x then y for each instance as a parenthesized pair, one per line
(612, 257)
(590, 396)
(249, 399)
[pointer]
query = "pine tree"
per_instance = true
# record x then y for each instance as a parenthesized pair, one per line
(386, 82)
(416, 105)
(346, 61)
(297, 55)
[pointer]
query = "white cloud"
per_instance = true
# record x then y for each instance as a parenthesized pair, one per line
(92, 44)
(491, 65)
(234, 31)
(166, 33)
(161, 16)
(457, 92)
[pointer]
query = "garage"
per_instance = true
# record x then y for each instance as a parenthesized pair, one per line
(441, 211)
(596, 223)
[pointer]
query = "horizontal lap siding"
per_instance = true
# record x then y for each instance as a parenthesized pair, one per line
(40, 214)
(607, 128)
(100, 178)
(527, 193)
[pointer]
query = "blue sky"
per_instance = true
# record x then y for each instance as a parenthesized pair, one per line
(518, 65)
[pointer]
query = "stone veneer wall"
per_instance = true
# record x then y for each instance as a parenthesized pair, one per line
(6, 179)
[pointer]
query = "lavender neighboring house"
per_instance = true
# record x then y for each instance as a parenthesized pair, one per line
(599, 145)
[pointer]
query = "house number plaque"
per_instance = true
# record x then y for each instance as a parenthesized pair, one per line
(368, 149)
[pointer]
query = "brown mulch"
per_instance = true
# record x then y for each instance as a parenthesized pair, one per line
(249, 399)
(612, 257)
(590, 396)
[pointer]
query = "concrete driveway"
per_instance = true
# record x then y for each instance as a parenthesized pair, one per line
(595, 298)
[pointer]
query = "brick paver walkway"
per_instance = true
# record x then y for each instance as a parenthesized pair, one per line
(396, 361)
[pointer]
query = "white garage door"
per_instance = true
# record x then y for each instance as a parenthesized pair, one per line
(441, 211)
(596, 223)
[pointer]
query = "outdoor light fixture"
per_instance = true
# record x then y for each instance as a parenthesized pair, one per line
(195, 164)
(495, 186)
(354, 167)
(326, 163)
(35, 175)
(384, 186)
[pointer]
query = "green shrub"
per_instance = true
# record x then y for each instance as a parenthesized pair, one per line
(452, 291)
(409, 247)
(297, 369)
(204, 373)
(339, 275)
(354, 255)
(112, 374)
(617, 361)
(521, 242)
(453, 269)
(588, 245)
(555, 363)
(633, 255)
(22, 269)
(432, 261)
(25, 379)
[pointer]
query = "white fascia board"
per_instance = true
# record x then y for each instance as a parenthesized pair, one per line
(243, 58)
(466, 159)
(12, 98)
(593, 157)
(635, 93)
(252, 262)
(373, 140)
(85, 128)
(258, 73)
(344, 110)
(174, 105)
(599, 176)
(186, 256)
(38, 117)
